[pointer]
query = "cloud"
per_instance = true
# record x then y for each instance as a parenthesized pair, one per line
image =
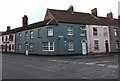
(12, 11)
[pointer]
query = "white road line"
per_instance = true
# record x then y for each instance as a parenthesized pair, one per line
(102, 65)
(80, 63)
(66, 61)
(113, 66)
(90, 63)
(104, 61)
(10, 61)
(36, 67)
(74, 62)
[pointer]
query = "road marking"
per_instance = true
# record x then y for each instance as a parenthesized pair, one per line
(103, 61)
(80, 63)
(66, 61)
(90, 63)
(102, 65)
(10, 61)
(74, 62)
(36, 67)
(113, 66)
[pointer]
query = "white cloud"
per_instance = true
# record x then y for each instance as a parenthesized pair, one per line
(12, 11)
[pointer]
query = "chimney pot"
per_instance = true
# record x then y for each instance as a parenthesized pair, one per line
(109, 15)
(70, 9)
(25, 20)
(94, 12)
(8, 28)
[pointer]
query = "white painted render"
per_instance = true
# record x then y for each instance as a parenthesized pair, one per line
(100, 37)
(10, 42)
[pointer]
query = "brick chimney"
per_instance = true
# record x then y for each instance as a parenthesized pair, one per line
(25, 20)
(94, 12)
(70, 9)
(110, 15)
(119, 17)
(8, 28)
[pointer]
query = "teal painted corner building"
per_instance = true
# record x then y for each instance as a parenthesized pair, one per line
(52, 39)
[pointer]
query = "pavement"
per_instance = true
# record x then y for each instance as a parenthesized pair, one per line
(73, 56)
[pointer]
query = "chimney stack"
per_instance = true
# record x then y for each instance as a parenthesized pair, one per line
(8, 28)
(110, 15)
(70, 9)
(25, 20)
(94, 12)
(119, 17)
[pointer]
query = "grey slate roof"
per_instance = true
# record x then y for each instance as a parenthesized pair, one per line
(32, 26)
(81, 18)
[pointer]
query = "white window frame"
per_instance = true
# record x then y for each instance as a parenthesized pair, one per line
(82, 31)
(70, 45)
(117, 44)
(48, 46)
(50, 32)
(96, 45)
(105, 31)
(20, 36)
(31, 47)
(31, 34)
(116, 31)
(95, 33)
(70, 30)
(19, 47)
(26, 35)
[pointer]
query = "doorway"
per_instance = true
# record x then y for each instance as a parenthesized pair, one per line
(6, 48)
(84, 49)
(106, 46)
(26, 48)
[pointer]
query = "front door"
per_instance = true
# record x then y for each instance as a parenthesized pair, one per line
(106, 46)
(6, 48)
(84, 50)
(26, 49)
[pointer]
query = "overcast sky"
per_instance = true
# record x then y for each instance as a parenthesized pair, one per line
(12, 11)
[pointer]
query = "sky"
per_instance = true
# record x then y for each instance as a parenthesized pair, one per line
(12, 11)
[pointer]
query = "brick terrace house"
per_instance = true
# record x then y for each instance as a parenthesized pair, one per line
(97, 28)
(65, 32)
(114, 30)
(8, 40)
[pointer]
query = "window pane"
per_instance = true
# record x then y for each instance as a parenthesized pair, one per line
(82, 32)
(31, 34)
(48, 46)
(26, 35)
(83, 27)
(116, 32)
(31, 46)
(20, 36)
(96, 45)
(45, 46)
(95, 32)
(105, 33)
(70, 46)
(19, 47)
(117, 45)
(70, 30)
(50, 31)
